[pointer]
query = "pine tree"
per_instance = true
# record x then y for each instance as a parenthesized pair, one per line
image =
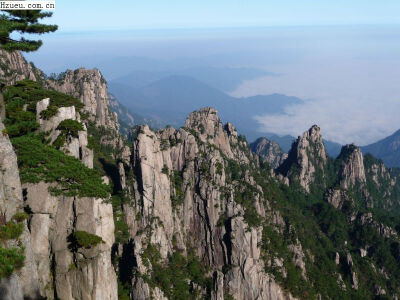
(22, 22)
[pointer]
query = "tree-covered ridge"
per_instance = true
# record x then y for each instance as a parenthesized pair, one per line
(38, 160)
(360, 228)
(354, 232)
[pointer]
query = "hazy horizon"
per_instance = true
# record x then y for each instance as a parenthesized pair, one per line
(346, 74)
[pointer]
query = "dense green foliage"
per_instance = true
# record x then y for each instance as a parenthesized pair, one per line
(20, 216)
(121, 230)
(23, 21)
(30, 92)
(39, 162)
(21, 100)
(178, 276)
(10, 260)
(67, 127)
(11, 230)
(83, 239)
(178, 194)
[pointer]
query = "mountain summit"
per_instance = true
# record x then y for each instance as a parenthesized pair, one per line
(387, 149)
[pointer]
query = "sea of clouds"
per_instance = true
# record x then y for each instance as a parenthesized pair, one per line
(353, 101)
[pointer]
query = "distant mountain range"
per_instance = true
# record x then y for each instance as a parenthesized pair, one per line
(170, 99)
(224, 79)
(387, 149)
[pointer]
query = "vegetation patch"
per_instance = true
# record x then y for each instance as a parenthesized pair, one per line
(10, 260)
(83, 239)
(178, 196)
(67, 127)
(178, 276)
(11, 230)
(38, 162)
(31, 92)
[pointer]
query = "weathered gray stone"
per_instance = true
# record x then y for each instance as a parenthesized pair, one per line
(307, 155)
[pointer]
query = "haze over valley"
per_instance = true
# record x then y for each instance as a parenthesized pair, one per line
(345, 76)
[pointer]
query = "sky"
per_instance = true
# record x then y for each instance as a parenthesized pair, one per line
(341, 57)
(78, 15)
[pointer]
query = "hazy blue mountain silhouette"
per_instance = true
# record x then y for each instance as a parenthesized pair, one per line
(222, 78)
(170, 99)
(387, 149)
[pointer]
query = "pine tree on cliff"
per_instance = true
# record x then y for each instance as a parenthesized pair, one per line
(23, 22)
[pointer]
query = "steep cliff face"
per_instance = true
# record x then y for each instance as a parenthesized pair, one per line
(25, 280)
(187, 203)
(306, 160)
(62, 271)
(67, 238)
(90, 87)
(269, 151)
(352, 170)
(14, 67)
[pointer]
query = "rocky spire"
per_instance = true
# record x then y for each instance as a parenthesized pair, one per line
(306, 157)
(269, 151)
(209, 129)
(352, 167)
(14, 67)
(90, 87)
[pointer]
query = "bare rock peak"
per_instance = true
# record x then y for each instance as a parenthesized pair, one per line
(269, 151)
(352, 166)
(306, 156)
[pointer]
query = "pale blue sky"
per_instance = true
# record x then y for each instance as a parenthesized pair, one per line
(351, 72)
(77, 15)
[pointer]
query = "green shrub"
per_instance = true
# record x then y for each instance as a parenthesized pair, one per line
(11, 231)
(83, 239)
(219, 167)
(20, 216)
(178, 196)
(51, 111)
(32, 92)
(60, 141)
(70, 127)
(165, 170)
(38, 162)
(176, 276)
(10, 260)
(20, 122)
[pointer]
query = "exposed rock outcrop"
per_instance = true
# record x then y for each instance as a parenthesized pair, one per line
(198, 153)
(14, 67)
(269, 151)
(90, 87)
(306, 158)
(87, 274)
(52, 268)
(352, 167)
(25, 281)
(10, 185)
(76, 146)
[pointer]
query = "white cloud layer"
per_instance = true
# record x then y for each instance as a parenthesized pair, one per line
(352, 101)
